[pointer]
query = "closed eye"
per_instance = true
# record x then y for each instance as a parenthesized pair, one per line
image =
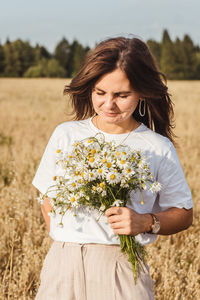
(123, 97)
(100, 94)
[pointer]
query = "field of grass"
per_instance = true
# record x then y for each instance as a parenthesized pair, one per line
(29, 111)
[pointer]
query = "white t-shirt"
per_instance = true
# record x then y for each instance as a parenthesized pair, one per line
(164, 165)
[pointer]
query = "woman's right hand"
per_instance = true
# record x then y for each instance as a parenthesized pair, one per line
(46, 207)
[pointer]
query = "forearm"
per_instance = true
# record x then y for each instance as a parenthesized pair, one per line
(172, 220)
(46, 218)
(124, 220)
(46, 207)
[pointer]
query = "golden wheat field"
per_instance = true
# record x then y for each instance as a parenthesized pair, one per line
(29, 111)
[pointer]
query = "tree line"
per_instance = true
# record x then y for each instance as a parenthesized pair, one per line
(179, 59)
(20, 59)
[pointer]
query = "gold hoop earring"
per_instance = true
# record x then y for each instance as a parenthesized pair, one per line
(142, 114)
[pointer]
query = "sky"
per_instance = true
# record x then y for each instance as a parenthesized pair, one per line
(89, 21)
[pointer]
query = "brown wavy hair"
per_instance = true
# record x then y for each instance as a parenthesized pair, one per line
(133, 57)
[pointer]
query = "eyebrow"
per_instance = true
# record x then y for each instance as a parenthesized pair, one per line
(121, 92)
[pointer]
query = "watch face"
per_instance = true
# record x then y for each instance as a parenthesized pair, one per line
(156, 227)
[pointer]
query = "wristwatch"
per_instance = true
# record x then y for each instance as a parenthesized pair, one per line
(155, 227)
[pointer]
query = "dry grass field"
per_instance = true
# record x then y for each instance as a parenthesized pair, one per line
(29, 111)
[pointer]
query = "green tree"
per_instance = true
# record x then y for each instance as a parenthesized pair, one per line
(19, 56)
(46, 68)
(62, 53)
(54, 69)
(40, 52)
(198, 65)
(155, 48)
(9, 60)
(189, 58)
(186, 58)
(168, 56)
(76, 57)
(38, 70)
(2, 60)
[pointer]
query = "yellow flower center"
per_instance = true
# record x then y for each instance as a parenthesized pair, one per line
(94, 188)
(73, 184)
(89, 141)
(101, 184)
(128, 170)
(93, 151)
(112, 176)
(58, 195)
(79, 180)
(143, 185)
(117, 153)
(91, 159)
(100, 171)
(76, 172)
(70, 156)
(72, 199)
(91, 175)
(122, 161)
(58, 151)
(104, 160)
(82, 174)
(105, 153)
(109, 164)
(124, 153)
(54, 177)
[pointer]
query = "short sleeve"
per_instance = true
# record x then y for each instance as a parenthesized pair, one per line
(174, 188)
(43, 178)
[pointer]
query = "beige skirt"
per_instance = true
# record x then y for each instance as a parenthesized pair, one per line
(74, 271)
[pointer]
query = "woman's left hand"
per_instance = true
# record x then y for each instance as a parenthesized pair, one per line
(124, 220)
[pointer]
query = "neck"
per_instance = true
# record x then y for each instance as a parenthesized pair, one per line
(118, 128)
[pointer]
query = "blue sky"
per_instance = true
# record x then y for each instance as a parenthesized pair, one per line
(47, 21)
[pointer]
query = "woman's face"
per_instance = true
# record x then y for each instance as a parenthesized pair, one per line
(113, 98)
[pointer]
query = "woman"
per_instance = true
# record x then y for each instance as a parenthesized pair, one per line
(119, 92)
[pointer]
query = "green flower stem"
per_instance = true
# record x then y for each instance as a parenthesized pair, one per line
(135, 252)
(111, 193)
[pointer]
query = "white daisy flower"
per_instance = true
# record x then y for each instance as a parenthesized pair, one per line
(113, 177)
(155, 187)
(73, 200)
(52, 214)
(40, 199)
(93, 161)
(103, 193)
(117, 202)
(122, 163)
(92, 175)
(102, 207)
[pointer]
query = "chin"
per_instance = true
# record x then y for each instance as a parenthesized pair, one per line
(111, 119)
(109, 116)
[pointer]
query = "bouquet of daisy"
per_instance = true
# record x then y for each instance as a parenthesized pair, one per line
(97, 175)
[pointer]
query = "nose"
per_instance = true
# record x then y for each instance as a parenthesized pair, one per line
(109, 102)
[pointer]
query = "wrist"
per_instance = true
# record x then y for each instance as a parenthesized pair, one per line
(155, 227)
(147, 222)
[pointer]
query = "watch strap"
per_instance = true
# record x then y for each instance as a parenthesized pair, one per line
(155, 221)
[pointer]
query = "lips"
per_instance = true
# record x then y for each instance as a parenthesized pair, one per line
(110, 113)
